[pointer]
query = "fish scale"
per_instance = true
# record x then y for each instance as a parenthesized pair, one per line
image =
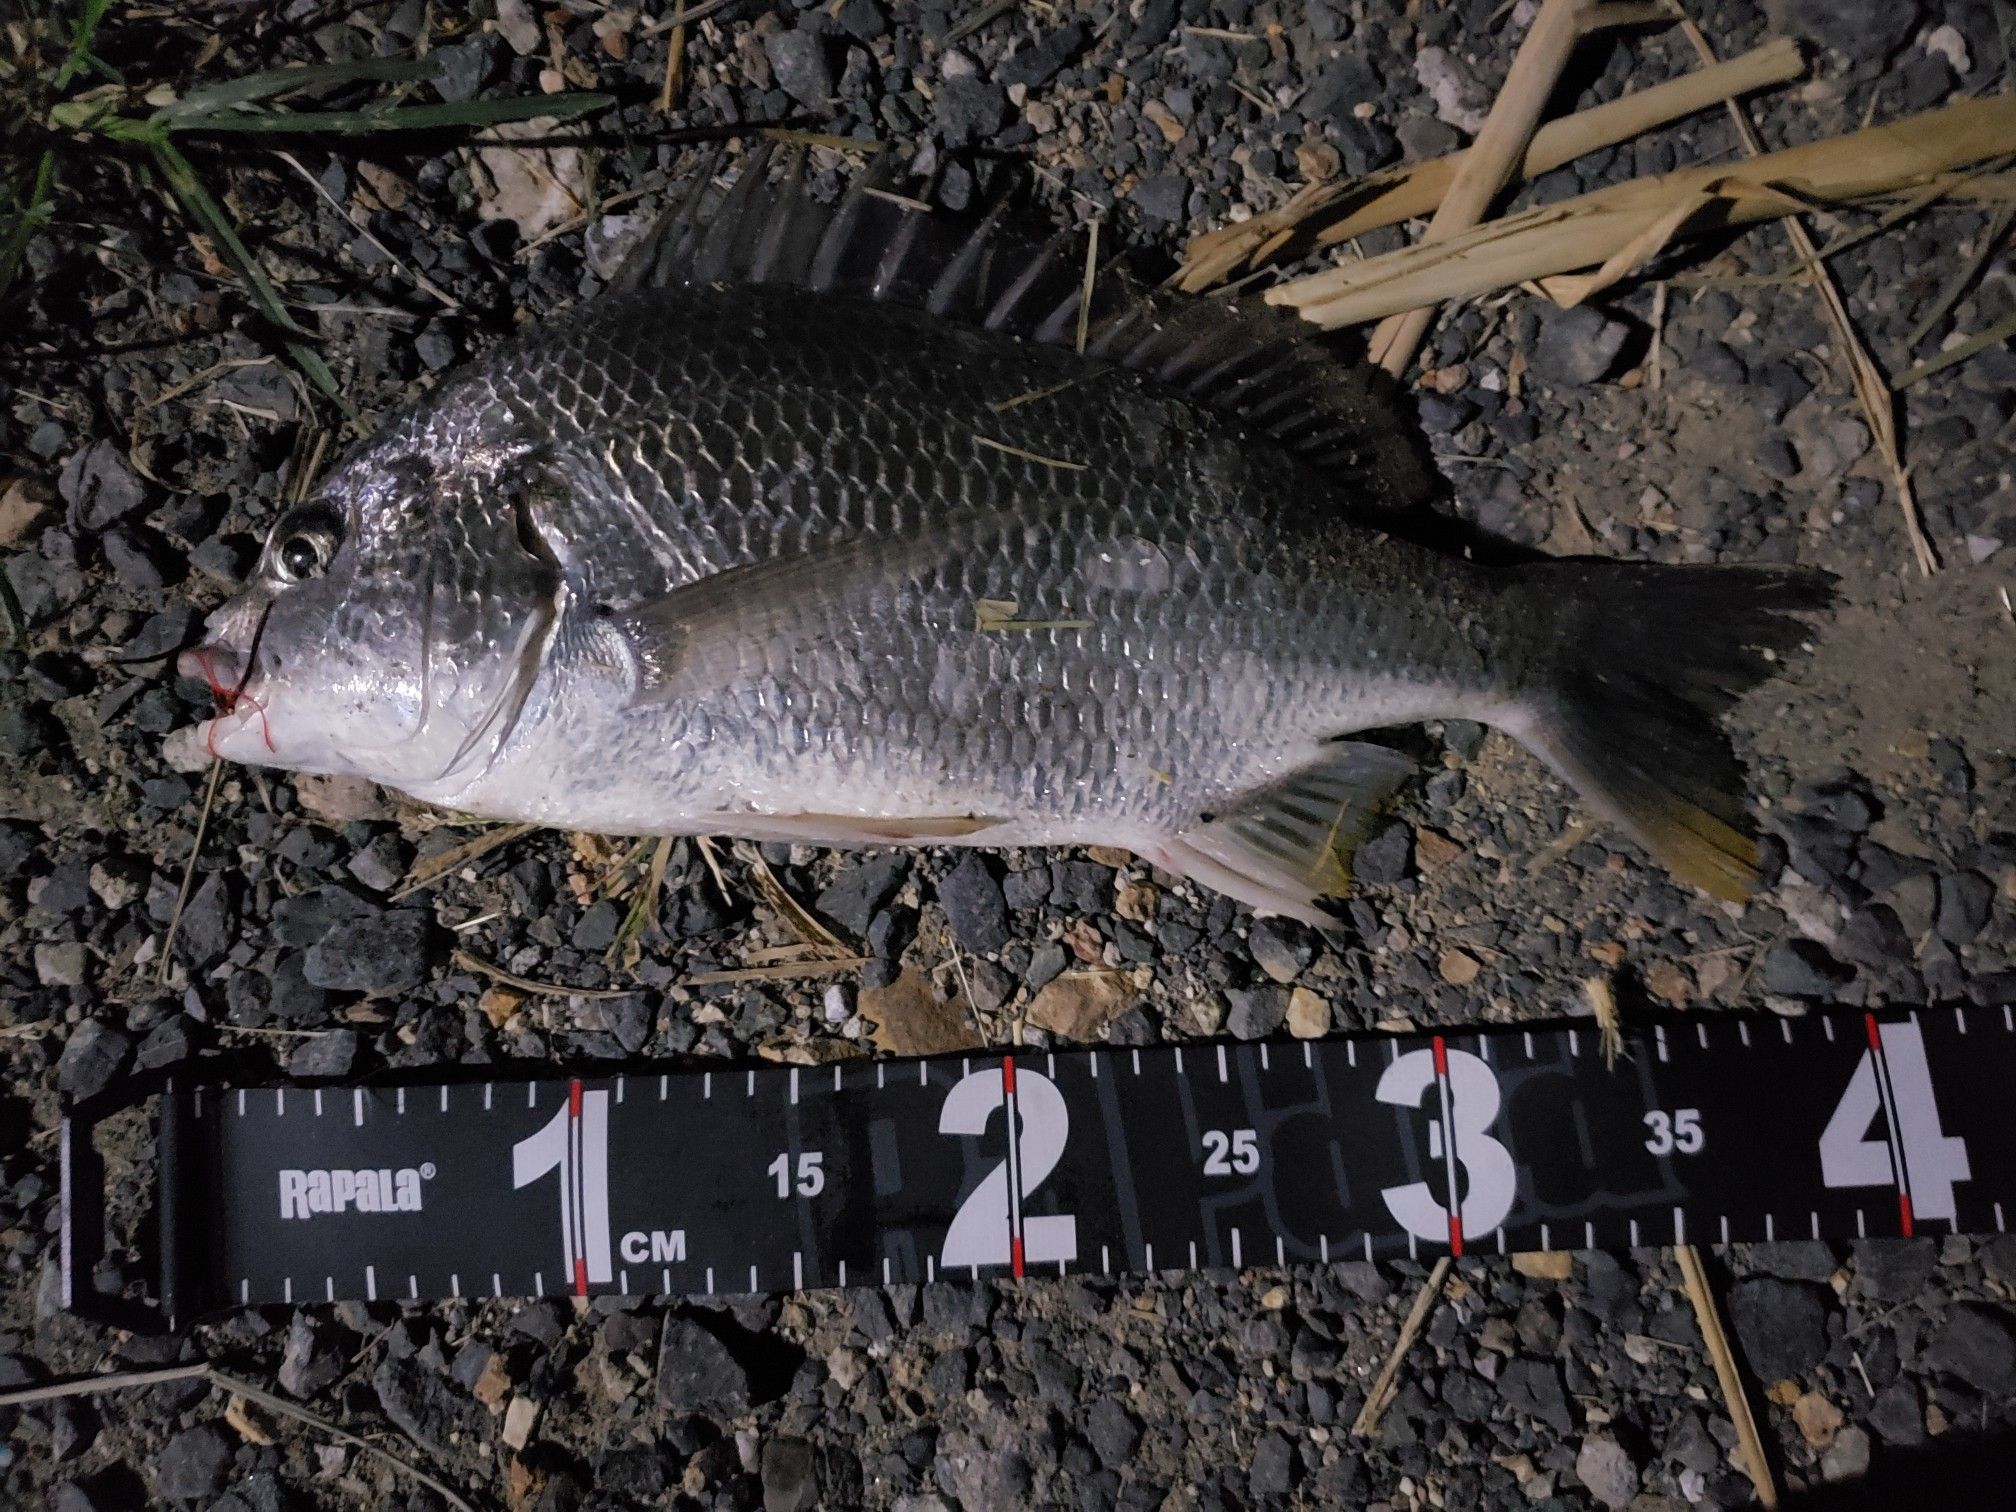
(710, 556)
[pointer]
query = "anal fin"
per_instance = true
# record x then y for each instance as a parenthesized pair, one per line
(1286, 846)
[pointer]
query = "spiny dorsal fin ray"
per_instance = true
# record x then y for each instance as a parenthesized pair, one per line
(1256, 364)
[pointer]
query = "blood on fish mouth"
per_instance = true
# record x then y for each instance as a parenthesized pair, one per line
(230, 695)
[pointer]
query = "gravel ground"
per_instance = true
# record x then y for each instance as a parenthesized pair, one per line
(147, 443)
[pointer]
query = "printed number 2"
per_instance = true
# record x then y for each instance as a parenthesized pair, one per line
(1918, 1158)
(983, 1230)
(1487, 1165)
(1235, 1154)
(811, 1174)
(1679, 1130)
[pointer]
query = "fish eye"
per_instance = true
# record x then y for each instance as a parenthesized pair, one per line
(305, 543)
(301, 556)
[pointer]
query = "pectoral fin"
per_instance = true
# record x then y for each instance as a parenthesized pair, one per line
(1285, 846)
(707, 634)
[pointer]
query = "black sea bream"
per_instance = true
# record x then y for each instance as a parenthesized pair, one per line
(817, 526)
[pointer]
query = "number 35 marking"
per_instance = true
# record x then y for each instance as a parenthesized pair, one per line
(1679, 1130)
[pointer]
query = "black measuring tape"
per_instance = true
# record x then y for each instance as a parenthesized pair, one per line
(868, 1172)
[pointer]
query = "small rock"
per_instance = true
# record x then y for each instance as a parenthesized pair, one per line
(1534, 1387)
(798, 59)
(328, 1054)
(63, 965)
(1607, 1469)
(167, 1043)
(1041, 62)
(308, 1366)
(1277, 950)
(974, 906)
(1578, 346)
(1256, 1013)
(1163, 197)
(519, 1419)
(790, 1476)
(1113, 1433)
(1544, 1265)
(696, 1371)
(1847, 1458)
(1782, 1326)
(1802, 969)
(1976, 1346)
(1965, 900)
(1460, 100)
(374, 952)
(1458, 968)
(1818, 1419)
(858, 892)
(1308, 1014)
(192, 1465)
(968, 108)
(1386, 858)
(1080, 1004)
(1273, 1469)
(94, 1054)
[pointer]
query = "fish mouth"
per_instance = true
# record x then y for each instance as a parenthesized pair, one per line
(240, 723)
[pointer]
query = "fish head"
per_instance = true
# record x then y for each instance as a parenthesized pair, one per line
(392, 629)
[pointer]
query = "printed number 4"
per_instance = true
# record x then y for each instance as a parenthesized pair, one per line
(1680, 1130)
(811, 1174)
(1897, 1084)
(1234, 1154)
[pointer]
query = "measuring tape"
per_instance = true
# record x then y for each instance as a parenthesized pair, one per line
(870, 1172)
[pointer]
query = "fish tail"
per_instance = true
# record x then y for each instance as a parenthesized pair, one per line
(1651, 656)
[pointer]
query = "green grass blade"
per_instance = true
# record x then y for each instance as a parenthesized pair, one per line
(79, 57)
(32, 216)
(369, 122)
(277, 82)
(207, 213)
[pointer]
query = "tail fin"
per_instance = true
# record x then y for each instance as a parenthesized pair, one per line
(1653, 655)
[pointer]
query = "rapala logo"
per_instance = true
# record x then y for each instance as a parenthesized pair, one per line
(303, 1194)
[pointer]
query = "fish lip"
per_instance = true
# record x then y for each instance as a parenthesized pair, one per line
(235, 681)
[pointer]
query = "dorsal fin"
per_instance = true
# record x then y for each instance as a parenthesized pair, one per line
(1258, 364)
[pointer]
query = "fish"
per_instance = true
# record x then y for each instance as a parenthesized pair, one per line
(857, 523)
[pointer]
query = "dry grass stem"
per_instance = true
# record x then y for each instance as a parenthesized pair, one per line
(1380, 1397)
(1492, 159)
(421, 281)
(1085, 292)
(801, 919)
(1030, 456)
(1587, 230)
(431, 869)
(1709, 1316)
(531, 987)
(1609, 1024)
(1879, 401)
(245, 1390)
(675, 62)
(780, 971)
(188, 874)
(1405, 192)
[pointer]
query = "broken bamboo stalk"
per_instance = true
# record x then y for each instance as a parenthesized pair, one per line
(1492, 159)
(1590, 229)
(1408, 190)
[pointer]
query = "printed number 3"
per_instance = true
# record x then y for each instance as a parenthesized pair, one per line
(1680, 1131)
(1487, 1165)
